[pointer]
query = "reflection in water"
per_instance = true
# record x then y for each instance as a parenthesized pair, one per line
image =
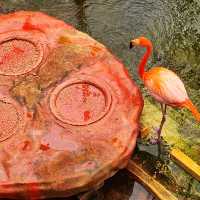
(81, 17)
(173, 26)
(122, 187)
(139, 193)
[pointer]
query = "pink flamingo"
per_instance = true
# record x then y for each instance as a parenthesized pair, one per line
(164, 85)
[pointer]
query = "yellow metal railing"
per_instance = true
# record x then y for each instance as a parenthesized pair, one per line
(149, 182)
(152, 185)
(186, 163)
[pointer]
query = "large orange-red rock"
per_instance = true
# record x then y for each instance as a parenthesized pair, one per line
(68, 109)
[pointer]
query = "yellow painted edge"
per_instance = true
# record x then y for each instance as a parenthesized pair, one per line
(149, 182)
(186, 163)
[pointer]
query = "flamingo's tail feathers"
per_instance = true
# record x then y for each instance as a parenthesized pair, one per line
(190, 106)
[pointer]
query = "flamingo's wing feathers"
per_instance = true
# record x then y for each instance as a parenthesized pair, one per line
(165, 86)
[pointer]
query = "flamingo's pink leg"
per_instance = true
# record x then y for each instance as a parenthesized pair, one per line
(164, 111)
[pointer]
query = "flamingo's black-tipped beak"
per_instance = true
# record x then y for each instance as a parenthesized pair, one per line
(131, 45)
(134, 42)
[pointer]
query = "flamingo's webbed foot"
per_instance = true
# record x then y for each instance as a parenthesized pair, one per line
(156, 140)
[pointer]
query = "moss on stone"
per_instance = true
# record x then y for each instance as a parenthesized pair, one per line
(151, 117)
(27, 91)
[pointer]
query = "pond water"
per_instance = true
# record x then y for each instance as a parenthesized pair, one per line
(174, 28)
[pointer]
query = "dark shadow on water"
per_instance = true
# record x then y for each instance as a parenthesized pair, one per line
(81, 15)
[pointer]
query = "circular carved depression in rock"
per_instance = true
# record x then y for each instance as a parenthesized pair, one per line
(11, 116)
(80, 102)
(19, 55)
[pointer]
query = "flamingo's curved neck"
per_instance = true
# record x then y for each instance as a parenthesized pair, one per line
(143, 61)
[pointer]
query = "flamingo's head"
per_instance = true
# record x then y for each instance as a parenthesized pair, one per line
(140, 41)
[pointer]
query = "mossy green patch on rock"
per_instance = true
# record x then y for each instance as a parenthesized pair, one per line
(27, 91)
(174, 178)
(151, 118)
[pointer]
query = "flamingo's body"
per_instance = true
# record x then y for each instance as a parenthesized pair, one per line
(163, 84)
